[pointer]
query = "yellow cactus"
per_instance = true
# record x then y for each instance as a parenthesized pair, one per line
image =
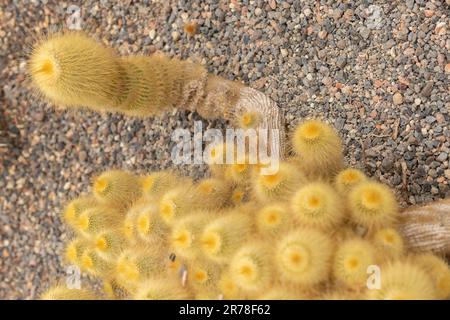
(439, 271)
(303, 257)
(74, 250)
(347, 179)
(161, 289)
(72, 70)
(60, 292)
(117, 188)
(318, 148)
(76, 207)
(389, 243)
(224, 235)
(278, 186)
(252, 267)
(185, 236)
(301, 233)
(351, 261)
(372, 205)
(317, 205)
(273, 219)
(403, 280)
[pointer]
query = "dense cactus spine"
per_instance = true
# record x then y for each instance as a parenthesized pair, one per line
(318, 148)
(252, 267)
(373, 204)
(61, 292)
(161, 289)
(185, 236)
(224, 235)
(76, 207)
(351, 261)
(273, 219)
(403, 280)
(277, 186)
(347, 179)
(439, 271)
(318, 205)
(389, 243)
(117, 187)
(72, 70)
(74, 251)
(303, 257)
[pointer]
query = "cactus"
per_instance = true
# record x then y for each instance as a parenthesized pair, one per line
(252, 268)
(117, 187)
(347, 179)
(352, 259)
(439, 271)
(290, 235)
(303, 257)
(272, 219)
(389, 243)
(278, 186)
(403, 280)
(72, 70)
(161, 289)
(372, 204)
(224, 235)
(60, 292)
(76, 207)
(185, 236)
(318, 148)
(318, 205)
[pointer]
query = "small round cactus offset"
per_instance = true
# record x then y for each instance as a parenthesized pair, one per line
(312, 230)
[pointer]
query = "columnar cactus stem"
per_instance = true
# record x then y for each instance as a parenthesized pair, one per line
(427, 228)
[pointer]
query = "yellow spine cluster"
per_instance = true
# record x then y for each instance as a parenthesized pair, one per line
(308, 231)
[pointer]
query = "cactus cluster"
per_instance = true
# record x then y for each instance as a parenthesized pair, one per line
(309, 231)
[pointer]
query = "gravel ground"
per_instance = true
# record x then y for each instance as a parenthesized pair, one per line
(378, 70)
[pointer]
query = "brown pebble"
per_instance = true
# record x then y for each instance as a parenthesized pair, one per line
(397, 98)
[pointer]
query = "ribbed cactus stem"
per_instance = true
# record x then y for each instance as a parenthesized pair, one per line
(427, 228)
